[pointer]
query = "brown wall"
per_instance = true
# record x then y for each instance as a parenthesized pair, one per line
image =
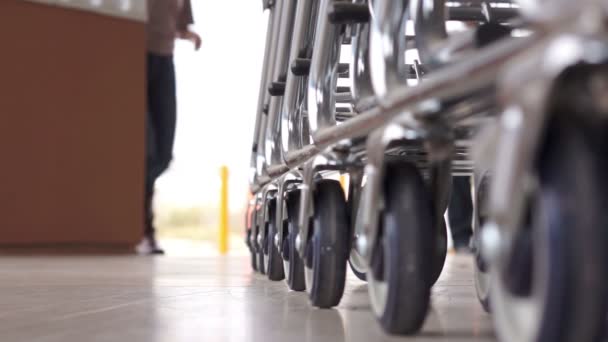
(71, 126)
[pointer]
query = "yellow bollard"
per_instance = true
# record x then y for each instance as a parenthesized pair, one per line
(223, 238)
(344, 183)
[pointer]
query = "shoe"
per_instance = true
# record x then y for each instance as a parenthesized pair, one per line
(149, 246)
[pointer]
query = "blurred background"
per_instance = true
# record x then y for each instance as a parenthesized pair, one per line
(217, 96)
(72, 105)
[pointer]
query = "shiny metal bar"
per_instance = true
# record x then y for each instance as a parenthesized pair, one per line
(291, 128)
(300, 156)
(255, 164)
(259, 119)
(480, 70)
(323, 71)
(264, 79)
(429, 23)
(387, 46)
(273, 151)
(275, 19)
(363, 94)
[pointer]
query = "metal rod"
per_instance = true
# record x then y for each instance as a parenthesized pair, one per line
(479, 70)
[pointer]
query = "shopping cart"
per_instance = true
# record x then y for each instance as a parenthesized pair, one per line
(400, 96)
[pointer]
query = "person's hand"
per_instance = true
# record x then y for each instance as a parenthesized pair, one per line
(192, 37)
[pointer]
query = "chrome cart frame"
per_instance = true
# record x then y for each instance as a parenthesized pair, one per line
(460, 105)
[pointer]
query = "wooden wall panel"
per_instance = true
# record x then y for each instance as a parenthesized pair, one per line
(71, 126)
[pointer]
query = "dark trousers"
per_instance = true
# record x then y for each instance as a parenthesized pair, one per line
(160, 126)
(460, 212)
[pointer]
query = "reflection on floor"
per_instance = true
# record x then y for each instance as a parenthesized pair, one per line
(178, 247)
(204, 299)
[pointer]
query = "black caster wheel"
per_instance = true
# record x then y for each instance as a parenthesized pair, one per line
(482, 276)
(355, 260)
(483, 284)
(401, 267)
(258, 245)
(252, 253)
(441, 250)
(260, 261)
(439, 181)
(564, 298)
(272, 256)
(355, 263)
(327, 253)
(293, 263)
(482, 273)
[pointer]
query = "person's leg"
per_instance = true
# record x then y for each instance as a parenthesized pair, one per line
(149, 244)
(152, 112)
(160, 133)
(148, 210)
(162, 115)
(166, 120)
(460, 212)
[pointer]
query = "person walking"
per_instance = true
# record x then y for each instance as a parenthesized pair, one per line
(168, 20)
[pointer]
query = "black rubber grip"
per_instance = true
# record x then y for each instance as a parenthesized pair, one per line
(300, 66)
(343, 89)
(277, 89)
(476, 13)
(342, 110)
(488, 33)
(348, 13)
(266, 4)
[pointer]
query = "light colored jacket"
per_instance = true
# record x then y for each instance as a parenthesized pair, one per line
(165, 19)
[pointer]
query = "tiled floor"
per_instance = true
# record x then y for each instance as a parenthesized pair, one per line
(126, 298)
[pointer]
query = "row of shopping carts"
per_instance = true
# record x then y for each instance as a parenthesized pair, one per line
(368, 109)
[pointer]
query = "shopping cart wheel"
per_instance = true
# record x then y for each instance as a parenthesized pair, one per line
(327, 254)
(259, 248)
(441, 250)
(483, 284)
(401, 269)
(355, 262)
(293, 263)
(261, 262)
(272, 256)
(565, 299)
(483, 279)
(482, 274)
(252, 254)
